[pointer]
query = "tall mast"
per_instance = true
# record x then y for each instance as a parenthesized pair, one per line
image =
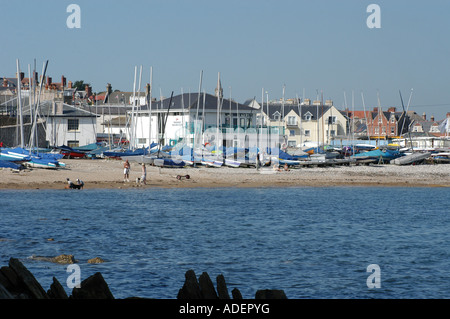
(410, 139)
(203, 112)
(131, 128)
(365, 115)
(30, 86)
(196, 137)
(138, 106)
(282, 103)
(19, 105)
(300, 118)
(150, 110)
(353, 121)
(199, 92)
(261, 119)
(182, 117)
(218, 107)
(34, 126)
(323, 124)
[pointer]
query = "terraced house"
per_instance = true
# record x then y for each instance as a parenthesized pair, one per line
(377, 124)
(306, 122)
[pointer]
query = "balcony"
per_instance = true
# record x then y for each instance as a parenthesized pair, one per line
(292, 123)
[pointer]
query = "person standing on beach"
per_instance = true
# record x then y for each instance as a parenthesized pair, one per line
(144, 174)
(126, 171)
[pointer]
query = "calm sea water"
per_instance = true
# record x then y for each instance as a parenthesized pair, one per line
(310, 242)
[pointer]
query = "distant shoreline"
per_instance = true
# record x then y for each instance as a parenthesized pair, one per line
(108, 174)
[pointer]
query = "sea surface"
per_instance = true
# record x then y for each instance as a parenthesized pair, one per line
(310, 242)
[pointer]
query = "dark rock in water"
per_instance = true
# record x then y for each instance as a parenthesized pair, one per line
(96, 260)
(8, 279)
(93, 287)
(191, 288)
(64, 259)
(207, 287)
(204, 289)
(236, 294)
(222, 290)
(56, 290)
(26, 280)
(4, 293)
(270, 294)
(61, 259)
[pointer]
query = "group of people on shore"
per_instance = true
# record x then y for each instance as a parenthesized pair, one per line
(126, 173)
(143, 179)
(78, 185)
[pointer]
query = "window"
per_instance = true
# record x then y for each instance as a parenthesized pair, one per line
(307, 132)
(331, 120)
(332, 133)
(73, 143)
(377, 130)
(276, 116)
(307, 116)
(292, 120)
(291, 132)
(292, 143)
(393, 130)
(434, 129)
(73, 124)
(142, 140)
(227, 119)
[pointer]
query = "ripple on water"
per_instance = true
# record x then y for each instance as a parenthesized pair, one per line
(310, 242)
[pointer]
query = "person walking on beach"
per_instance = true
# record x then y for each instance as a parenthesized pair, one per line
(126, 171)
(144, 174)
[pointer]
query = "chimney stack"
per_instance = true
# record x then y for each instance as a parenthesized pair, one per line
(63, 81)
(49, 81)
(432, 118)
(5, 82)
(424, 116)
(88, 90)
(69, 85)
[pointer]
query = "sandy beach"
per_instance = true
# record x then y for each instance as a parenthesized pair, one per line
(109, 174)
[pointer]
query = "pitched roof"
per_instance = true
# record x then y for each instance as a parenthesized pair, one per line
(46, 109)
(190, 101)
(314, 110)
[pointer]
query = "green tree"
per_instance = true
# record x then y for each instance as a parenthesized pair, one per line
(80, 85)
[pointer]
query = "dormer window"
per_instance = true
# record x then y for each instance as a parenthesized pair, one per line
(392, 118)
(434, 128)
(276, 116)
(307, 116)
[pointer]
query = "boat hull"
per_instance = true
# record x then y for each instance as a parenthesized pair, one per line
(169, 163)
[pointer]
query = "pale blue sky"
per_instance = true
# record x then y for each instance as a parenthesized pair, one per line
(309, 46)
